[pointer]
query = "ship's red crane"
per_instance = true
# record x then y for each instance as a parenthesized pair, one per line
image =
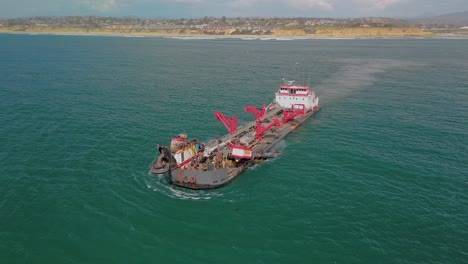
(255, 111)
(260, 130)
(229, 123)
(291, 114)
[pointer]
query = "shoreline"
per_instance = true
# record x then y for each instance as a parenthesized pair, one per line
(426, 35)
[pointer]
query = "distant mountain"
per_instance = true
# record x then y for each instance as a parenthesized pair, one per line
(425, 15)
(458, 19)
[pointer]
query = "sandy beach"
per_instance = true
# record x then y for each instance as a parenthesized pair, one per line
(332, 32)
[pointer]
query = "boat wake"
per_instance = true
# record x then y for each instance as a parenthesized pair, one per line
(357, 74)
(160, 184)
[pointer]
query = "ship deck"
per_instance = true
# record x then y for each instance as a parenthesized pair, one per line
(246, 128)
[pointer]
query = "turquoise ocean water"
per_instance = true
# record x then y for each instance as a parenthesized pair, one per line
(379, 175)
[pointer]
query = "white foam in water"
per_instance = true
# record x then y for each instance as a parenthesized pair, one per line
(451, 37)
(280, 39)
(193, 38)
(262, 38)
(159, 183)
(265, 38)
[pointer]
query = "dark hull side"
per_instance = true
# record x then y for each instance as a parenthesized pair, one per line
(209, 179)
(197, 179)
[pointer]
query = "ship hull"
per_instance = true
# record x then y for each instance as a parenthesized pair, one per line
(198, 180)
(217, 177)
(196, 165)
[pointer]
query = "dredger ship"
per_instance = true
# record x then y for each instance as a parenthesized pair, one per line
(192, 164)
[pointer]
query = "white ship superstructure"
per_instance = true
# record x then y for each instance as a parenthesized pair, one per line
(292, 95)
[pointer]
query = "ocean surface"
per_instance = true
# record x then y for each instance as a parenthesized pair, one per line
(379, 175)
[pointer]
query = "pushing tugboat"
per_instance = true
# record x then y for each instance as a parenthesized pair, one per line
(191, 164)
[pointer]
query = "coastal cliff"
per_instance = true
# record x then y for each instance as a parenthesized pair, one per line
(372, 32)
(354, 32)
(285, 32)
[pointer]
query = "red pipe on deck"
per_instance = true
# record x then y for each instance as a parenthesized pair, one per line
(255, 111)
(260, 130)
(229, 123)
(290, 115)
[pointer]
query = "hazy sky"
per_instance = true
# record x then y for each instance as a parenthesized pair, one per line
(229, 8)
